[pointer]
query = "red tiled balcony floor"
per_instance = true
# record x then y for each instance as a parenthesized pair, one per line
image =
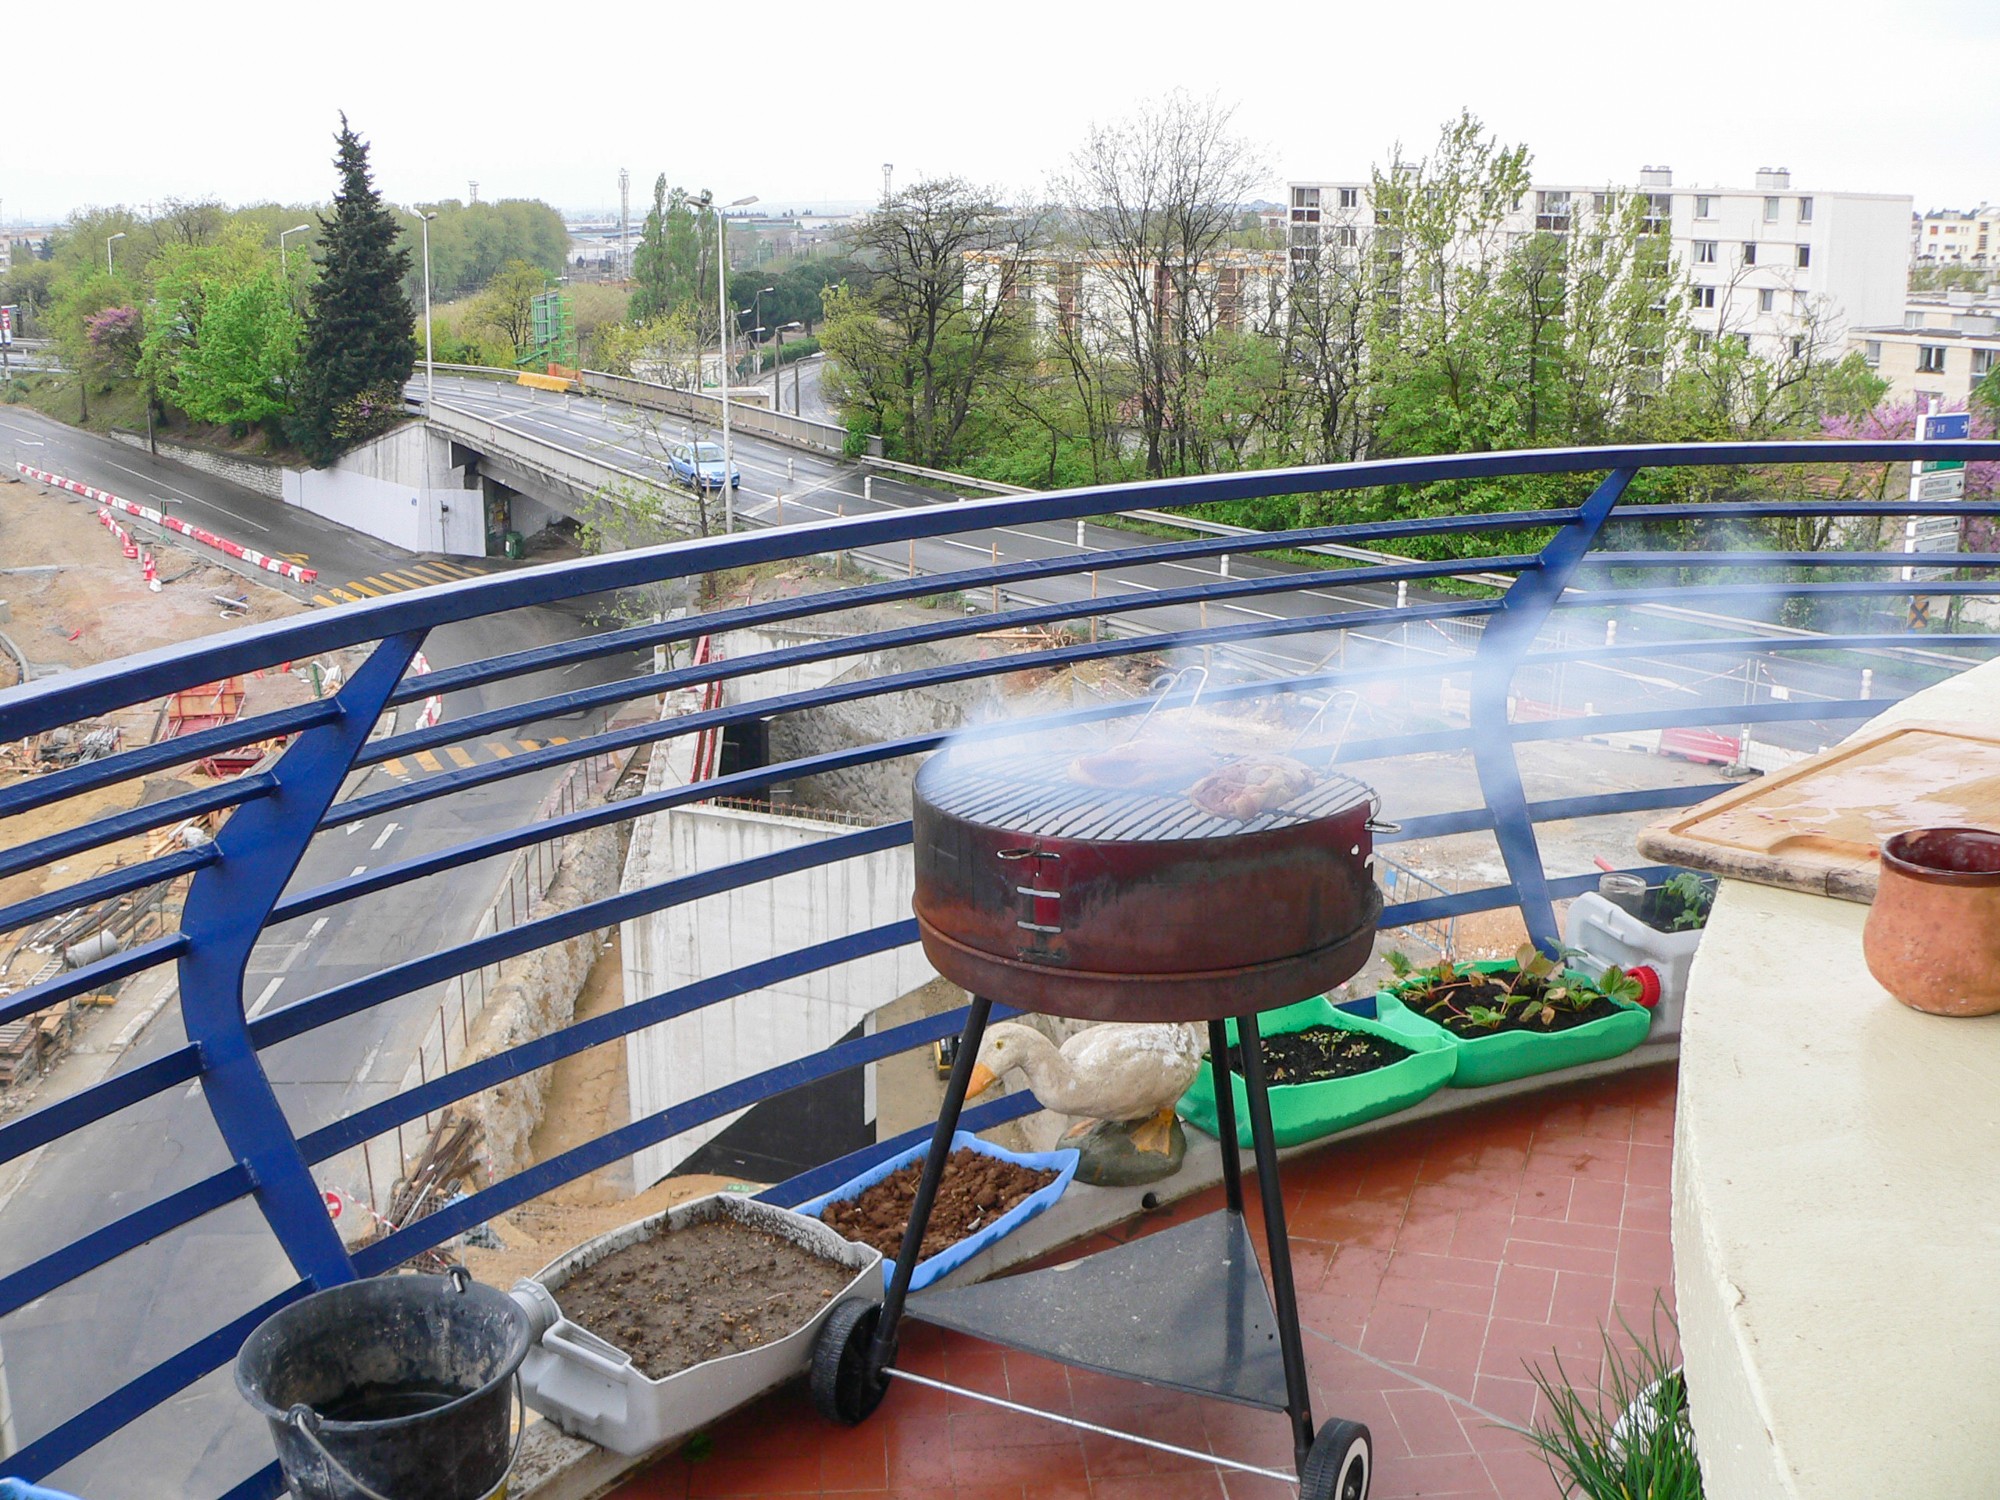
(1431, 1262)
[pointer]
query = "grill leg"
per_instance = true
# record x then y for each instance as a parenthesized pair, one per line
(882, 1353)
(1284, 1296)
(1225, 1114)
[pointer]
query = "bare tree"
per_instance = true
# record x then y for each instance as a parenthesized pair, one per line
(1153, 198)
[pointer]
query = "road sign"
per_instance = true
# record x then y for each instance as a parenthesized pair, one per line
(7, 324)
(1947, 486)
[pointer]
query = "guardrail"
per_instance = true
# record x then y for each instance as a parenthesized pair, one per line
(241, 882)
(801, 432)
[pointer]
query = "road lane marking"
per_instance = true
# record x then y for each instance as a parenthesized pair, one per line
(383, 837)
(459, 757)
(428, 761)
(198, 499)
(318, 926)
(357, 870)
(264, 999)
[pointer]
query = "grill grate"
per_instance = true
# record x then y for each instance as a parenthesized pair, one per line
(1033, 795)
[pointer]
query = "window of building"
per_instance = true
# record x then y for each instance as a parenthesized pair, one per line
(1552, 212)
(1926, 399)
(1305, 197)
(1704, 296)
(1871, 352)
(1749, 252)
(1704, 252)
(1983, 362)
(1770, 210)
(1602, 203)
(1805, 255)
(1659, 213)
(1766, 300)
(1742, 341)
(1930, 359)
(1347, 236)
(1350, 197)
(1704, 206)
(1913, 319)
(1805, 210)
(1798, 347)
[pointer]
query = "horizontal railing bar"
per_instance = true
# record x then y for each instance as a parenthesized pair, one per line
(1701, 714)
(628, 808)
(1859, 588)
(45, 703)
(113, 882)
(142, 1393)
(829, 1175)
(1715, 510)
(1494, 897)
(368, 806)
(136, 820)
(89, 775)
(580, 1036)
(565, 704)
(1756, 645)
(93, 976)
(105, 1097)
(87, 1252)
(809, 606)
(1597, 560)
(1555, 810)
(433, 968)
(457, 1217)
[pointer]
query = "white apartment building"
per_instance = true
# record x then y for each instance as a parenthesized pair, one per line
(1950, 236)
(1085, 297)
(1945, 345)
(1786, 271)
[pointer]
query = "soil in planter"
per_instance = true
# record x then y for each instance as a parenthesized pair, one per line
(976, 1190)
(699, 1293)
(1479, 989)
(1317, 1053)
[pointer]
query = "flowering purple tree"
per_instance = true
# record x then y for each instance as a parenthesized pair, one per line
(115, 336)
(1898, 419)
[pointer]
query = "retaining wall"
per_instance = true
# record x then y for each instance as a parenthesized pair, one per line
(259, 475)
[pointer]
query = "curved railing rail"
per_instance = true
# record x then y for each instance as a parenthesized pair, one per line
(247, 880)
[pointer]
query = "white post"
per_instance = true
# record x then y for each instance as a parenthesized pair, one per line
(1079, 534)
(1402, 593)
(867, 486)
(1223, 570)
(430, 366)
(1610, 632)
(1867, 682)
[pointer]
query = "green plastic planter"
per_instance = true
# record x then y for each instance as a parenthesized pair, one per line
(1507, 1055)
(1307, 1111)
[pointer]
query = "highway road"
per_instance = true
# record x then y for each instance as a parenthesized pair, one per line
(86, 1338)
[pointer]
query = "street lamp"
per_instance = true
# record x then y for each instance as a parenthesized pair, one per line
(284, 266)
(777, 370)
(430, 369)
(108, 271)
(707, 200)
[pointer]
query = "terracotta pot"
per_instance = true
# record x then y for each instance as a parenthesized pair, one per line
(1933, 935)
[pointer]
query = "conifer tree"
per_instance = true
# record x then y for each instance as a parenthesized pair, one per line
(360, 328)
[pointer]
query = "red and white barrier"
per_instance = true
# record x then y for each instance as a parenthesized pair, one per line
(146, 513)
(433, 709)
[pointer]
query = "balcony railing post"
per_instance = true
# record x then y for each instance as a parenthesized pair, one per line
(1509, 635)
(227, 905)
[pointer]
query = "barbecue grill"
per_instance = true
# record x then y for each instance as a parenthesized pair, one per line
(1038, 892)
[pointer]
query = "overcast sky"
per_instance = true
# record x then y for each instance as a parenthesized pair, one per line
(134, 104)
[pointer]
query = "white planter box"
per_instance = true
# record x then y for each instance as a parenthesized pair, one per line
(591, 1388)
(1609, 934)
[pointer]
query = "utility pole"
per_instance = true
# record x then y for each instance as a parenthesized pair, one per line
(888, 170)
(474, 186)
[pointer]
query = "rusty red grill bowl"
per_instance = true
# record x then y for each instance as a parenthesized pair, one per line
(1042, 893)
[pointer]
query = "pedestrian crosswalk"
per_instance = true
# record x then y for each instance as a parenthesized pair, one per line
(463, 757)
(420, 575)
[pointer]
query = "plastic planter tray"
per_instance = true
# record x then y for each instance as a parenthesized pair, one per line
(591, 1388)
(1307, 1111)
(1507, 1055)
(1062, 1163)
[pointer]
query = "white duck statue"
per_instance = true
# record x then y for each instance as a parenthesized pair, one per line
(1118, 1071)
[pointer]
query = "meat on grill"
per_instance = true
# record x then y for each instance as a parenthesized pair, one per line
(1246, 788)
(1143, 766)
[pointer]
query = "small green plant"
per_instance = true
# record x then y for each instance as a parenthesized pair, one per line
(1684, 901)
(1533, 990)
(1634, 1441)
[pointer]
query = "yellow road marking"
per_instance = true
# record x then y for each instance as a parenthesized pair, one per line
(409, 580)
(497, 750)
(428, 761)
(561, 739)
(456, 570)
(531, 744)
(429, 572)
(394, 766)
(362, 588)
(343, 596)
(323, 599)
(465, 761)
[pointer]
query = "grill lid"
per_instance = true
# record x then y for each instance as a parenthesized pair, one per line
(1032, 793)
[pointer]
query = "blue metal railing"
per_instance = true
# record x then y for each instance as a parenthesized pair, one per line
(239, 885)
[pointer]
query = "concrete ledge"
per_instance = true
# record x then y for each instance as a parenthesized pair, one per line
(555, 1466)
(1836, 1214)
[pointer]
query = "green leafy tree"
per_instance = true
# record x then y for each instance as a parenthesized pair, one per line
(224, 341)
(674, 260)
(507, 305)
(360, 330)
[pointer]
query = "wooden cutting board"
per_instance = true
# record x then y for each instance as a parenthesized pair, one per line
(1818, 826)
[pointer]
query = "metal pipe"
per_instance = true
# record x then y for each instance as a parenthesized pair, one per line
(1225, 1115)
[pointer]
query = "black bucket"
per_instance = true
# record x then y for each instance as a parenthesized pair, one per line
(390, 1388)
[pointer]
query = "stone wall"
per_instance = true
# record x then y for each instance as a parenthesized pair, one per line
(258, 475)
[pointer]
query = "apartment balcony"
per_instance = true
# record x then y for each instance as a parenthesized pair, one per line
(1520, 715)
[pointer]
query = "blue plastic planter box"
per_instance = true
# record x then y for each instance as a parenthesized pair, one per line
(1062, 1163)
